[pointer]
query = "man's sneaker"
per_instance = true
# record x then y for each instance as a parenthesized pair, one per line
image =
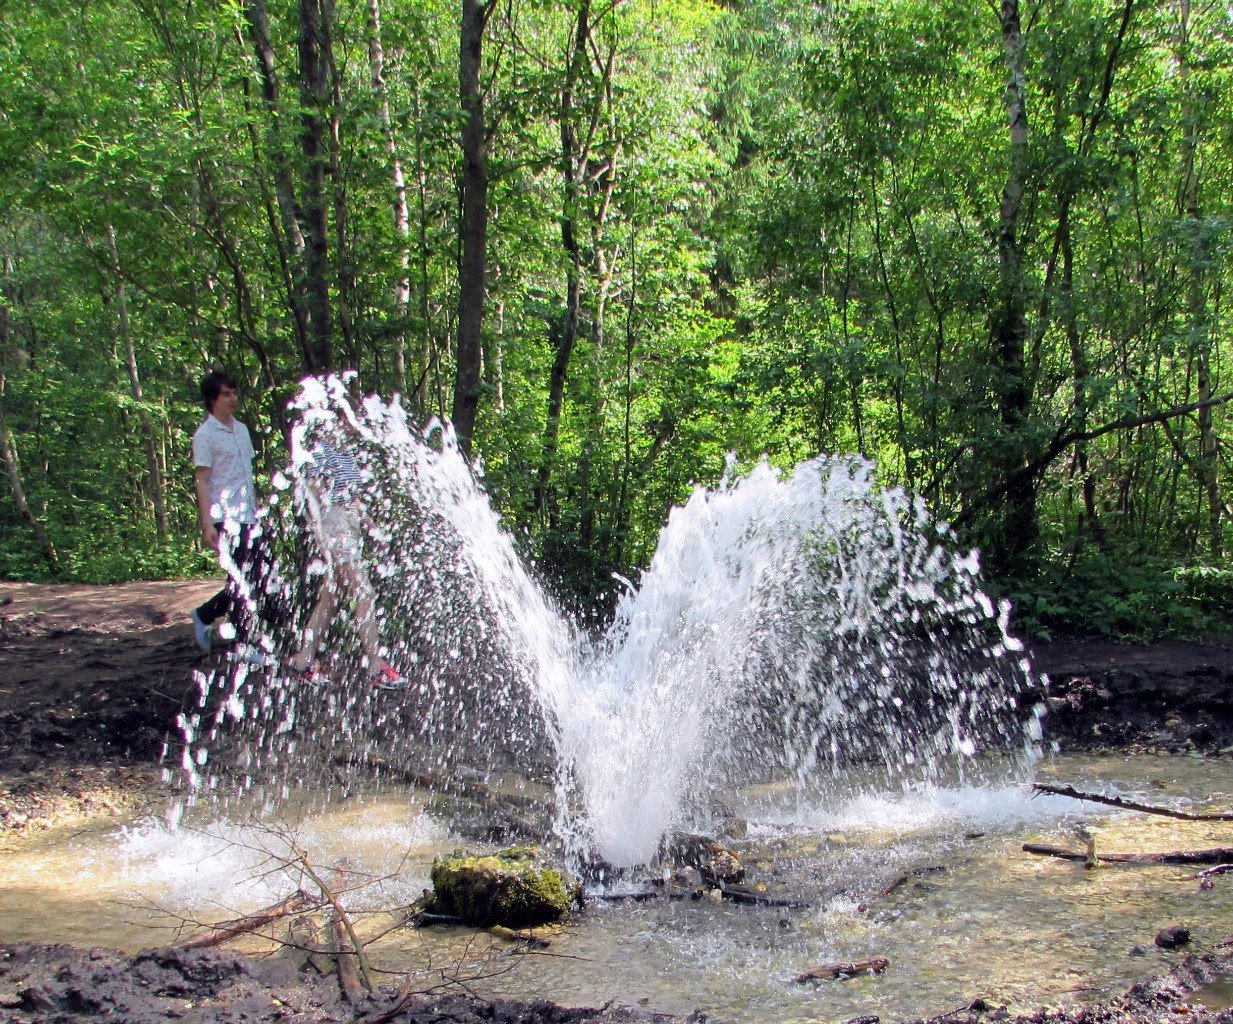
(387, 678)
(204, 638)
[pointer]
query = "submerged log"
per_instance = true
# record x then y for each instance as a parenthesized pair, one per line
(897, 883)
(1219, 855)
(526, 938)
(226, 930)
(846, 969)
(761, 899)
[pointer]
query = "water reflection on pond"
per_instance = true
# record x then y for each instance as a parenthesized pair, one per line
(993, 922)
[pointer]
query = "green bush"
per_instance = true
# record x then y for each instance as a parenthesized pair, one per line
(1130, 597)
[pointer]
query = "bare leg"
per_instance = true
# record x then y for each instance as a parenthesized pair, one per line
(354, 577)
(318, 622)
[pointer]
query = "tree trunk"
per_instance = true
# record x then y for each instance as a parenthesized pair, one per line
(1009, 328)
(290, 236)
(12, 468)
(1200, 320)
(315, 94)
(430, 370)
(344, 272)
(566, 335)
(473, 223)
(154, 472)
(402, 215)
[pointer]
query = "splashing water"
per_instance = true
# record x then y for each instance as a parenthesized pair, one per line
(786, 627)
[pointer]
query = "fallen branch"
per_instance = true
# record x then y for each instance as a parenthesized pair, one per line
(1219, 869)
(344, 953)
(421, 919)
(1129, 805)
(640, 896)
(226, 930)
(341, 922)
(1220, 855)
(843, 970)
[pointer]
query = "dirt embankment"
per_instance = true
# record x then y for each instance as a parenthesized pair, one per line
(91, 682)
(1168, 697)
(65, 985)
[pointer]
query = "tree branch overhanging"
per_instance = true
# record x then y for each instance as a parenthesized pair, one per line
(1063, 439)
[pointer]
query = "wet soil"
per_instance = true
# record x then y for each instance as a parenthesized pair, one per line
(66, 985)
(1167, 697)
(91, 682)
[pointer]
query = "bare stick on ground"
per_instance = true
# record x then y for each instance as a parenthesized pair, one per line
(227, 930)
(1129, 805)
(1220, 855)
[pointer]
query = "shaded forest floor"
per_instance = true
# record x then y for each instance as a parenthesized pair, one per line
(91, 682)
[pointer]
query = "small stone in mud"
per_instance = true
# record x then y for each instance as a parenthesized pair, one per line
(1172, 937)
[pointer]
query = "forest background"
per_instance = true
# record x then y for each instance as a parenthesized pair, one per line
(983, 245)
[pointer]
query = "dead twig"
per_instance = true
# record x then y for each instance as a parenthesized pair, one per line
(1129, 805)
(220, 933)
(341, 922)
(401, 1002)
(528, 939)
(901, 880)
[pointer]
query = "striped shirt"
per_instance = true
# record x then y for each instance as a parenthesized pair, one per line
(339, 474)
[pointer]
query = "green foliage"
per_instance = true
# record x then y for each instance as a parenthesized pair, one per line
(1115, 597)
(785, 225)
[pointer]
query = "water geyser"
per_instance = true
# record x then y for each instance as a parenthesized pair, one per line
(789, 625)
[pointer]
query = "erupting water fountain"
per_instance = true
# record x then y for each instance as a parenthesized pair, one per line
(788, 627)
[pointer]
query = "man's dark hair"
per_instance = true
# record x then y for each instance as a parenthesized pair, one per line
(212, 385)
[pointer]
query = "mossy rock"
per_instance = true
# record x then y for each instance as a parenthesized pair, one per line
(514, 888)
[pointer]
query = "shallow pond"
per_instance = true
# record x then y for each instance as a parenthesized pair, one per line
(976, 917)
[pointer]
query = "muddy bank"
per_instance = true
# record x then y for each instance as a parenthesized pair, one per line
(1168, 697)
(91, 682)
(66, 985)
(50, 984)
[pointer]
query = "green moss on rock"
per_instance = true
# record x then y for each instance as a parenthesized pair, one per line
(514, 888)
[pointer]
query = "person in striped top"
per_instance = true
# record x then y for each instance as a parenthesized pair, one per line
(331, 487)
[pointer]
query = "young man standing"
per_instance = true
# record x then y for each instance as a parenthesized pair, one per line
(227, 503)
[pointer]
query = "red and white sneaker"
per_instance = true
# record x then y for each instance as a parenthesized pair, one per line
(310, 675)
(388, 678)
